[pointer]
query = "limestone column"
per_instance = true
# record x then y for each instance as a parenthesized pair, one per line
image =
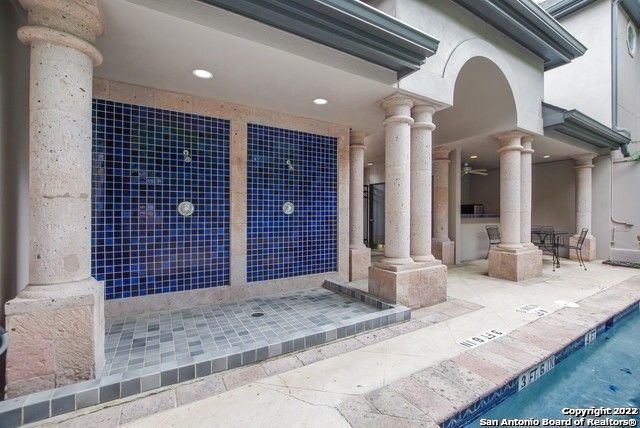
(421, 182)
(584, 165)
(525, 191)
(510, 162)
(397, 202)
(359, 254)
(56, 323)
(511, 260)
(442, 246)
(396, 277)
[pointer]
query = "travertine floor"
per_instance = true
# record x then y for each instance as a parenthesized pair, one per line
(310, 395)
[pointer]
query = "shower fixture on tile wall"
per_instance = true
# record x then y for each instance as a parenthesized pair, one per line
(290, 165)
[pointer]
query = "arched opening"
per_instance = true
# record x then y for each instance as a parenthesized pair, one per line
(483, 106)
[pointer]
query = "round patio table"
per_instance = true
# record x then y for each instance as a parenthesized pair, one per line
(549, 241)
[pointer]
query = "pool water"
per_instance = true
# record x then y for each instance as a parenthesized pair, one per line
(605, 373)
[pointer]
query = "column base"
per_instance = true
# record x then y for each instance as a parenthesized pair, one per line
(588, 248)
(359, 262)
(56, 336)
(444, 250)
(415, 285)
(515, 265)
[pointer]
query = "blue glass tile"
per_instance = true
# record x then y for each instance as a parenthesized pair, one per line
(301, 168)
(141, 245)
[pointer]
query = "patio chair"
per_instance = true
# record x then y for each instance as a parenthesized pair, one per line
(548, 242)
(578, 247)
(494, 237)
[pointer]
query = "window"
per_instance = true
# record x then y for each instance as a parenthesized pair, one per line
(632, 36)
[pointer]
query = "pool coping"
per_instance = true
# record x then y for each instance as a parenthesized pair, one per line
(42, 405)
(590, 307)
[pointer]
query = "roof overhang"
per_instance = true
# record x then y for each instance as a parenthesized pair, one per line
(561, 8)
(528, 24)
(579, 126)
(349, 26)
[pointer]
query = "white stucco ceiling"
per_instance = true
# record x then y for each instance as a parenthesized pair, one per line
(158, 43)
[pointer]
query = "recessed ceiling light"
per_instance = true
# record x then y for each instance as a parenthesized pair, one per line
(546, 156)
(473, 157)
(202, 74)
(370, 164)
(320, 101)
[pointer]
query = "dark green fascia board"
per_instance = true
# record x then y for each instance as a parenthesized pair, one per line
(561, 8)
(349, 26)
(582, 127)
(632, 7)
(526, 23)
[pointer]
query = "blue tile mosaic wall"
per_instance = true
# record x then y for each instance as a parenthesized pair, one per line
(145, 162)
(300, 168)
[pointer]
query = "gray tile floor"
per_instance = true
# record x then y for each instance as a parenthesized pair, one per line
(214, 330)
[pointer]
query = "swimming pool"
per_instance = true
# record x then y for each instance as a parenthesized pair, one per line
(604, 374)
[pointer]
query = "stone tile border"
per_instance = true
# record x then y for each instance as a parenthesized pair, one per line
(54, 402)
(132, 407)
(458, 390)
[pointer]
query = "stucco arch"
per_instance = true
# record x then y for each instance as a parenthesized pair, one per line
(473, 48)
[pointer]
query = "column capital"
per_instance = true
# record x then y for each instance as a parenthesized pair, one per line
(527, 144)
(70, 23)
(356, 139)
(510, 141)
(441, 154)
(584, 161)
(510, 135)
(397, 108)
(422, 114)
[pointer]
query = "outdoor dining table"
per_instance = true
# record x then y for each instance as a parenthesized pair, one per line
(549, 240)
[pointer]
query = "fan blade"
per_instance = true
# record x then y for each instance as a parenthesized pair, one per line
(478, 172)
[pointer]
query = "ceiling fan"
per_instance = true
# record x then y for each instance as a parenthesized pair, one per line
(468, 170)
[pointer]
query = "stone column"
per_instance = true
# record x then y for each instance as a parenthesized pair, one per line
(442, 246)
(396, 277)
(511, 260)
(56, 323)
(584, 165)
(397, 202)
(421, 182)
(525, 191)
(359, 255)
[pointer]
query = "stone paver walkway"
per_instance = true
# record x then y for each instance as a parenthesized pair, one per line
(331, 386)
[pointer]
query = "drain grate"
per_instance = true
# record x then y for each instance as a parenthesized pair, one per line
(257, 314)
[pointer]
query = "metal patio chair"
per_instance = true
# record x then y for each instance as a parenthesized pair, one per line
(578, 247)
(548, 242)
(493, 232)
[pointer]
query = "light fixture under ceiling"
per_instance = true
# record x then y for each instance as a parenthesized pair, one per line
(370, 164)
(320, 101)
(473, 157)
(546, 156)
(202, 74)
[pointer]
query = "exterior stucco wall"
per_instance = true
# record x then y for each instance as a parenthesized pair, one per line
(464, 36)
(628, 80)
(239, 117)
(14, 155)
(585, 83)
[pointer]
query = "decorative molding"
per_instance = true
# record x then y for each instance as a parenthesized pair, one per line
(528, 24)
(578, 125)
(349, 26)
(561, 8)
